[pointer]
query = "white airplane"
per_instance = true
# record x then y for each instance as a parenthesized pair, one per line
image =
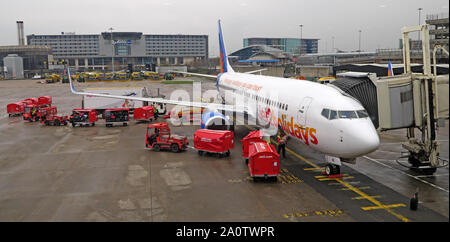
(322, 117)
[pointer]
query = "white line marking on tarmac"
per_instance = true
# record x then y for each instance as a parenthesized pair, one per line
(404, 173)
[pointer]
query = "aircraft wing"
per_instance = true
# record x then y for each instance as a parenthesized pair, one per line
(210, 106)
(250, 72)
(195, 74)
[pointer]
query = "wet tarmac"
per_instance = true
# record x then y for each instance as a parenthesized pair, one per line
(106, 174)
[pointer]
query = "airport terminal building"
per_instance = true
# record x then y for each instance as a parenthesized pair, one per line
(95, 51)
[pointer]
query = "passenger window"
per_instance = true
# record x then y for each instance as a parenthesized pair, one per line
(326, 113)
(333, 114)
(286, 107)
(347, 114)
(362, 114)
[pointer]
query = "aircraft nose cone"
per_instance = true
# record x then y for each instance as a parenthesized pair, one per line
(364, 139)
(369, 142)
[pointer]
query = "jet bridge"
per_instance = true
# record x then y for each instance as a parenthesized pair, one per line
(410, 100)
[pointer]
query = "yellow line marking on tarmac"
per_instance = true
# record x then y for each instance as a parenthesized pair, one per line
(313, 169)
(360, 198)
(383, 206)
(360, 188)
(350, 187)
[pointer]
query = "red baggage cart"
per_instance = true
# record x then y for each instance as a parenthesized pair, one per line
(252, 137)
(46, 100)
(33, 100)
(119, 115)
(145, 113)
(214, 141)
(264, 161)
(83, 117)
(15, 109)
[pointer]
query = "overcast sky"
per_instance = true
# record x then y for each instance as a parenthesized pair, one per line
(379, 20)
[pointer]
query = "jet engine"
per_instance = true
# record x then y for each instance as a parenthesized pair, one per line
(216, 121)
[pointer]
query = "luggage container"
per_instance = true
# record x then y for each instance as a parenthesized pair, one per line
(83, 117)
(15, 109)
(33, 100)
(247, 141)
(46, 100)
(146, 113)
(264, 161)
(113, 116)
(214, 141)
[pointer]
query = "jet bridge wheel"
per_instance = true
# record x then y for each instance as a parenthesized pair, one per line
(331, 169)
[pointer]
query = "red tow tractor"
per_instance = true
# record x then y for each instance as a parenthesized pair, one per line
(158, 137)
(54, 120)
(214, 141)
(35, 113)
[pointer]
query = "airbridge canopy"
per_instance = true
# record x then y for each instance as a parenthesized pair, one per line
(362, 89)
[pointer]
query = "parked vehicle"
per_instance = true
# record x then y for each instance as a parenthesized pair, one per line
(54, 120)
(214, 141)
(158, 137)
(83, 117)
(113, 116)
(34, 113)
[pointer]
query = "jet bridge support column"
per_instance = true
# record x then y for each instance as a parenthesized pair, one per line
(421, 99)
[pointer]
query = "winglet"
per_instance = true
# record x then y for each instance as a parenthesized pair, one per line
(224, 65)
(70, 81)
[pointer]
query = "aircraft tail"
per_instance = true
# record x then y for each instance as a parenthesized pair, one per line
(224, 64)
(390, 71)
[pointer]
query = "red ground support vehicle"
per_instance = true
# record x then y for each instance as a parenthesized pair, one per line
(15, 109)
(35, 113)
(145, 113)
(264, 161)
(83, 117)
(113, 116)
(54, 120)
(247, 141)
(158, 137)
(30, 112)
(46, 100)
(214, 141)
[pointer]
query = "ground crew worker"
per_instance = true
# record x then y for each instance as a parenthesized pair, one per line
(155, 112)
(282, 140)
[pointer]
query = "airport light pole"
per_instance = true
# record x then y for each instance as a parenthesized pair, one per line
(112, 48)
(420, 10)
(359, 48)
(301, 37)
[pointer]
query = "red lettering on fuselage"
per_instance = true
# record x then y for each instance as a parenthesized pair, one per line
(306, 134)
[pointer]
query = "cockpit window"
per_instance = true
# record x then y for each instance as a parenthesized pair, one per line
(333, 114)
(325, 113)
(362, 114)
(347, 114)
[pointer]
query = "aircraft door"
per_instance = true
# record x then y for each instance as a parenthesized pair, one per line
(302, 111)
